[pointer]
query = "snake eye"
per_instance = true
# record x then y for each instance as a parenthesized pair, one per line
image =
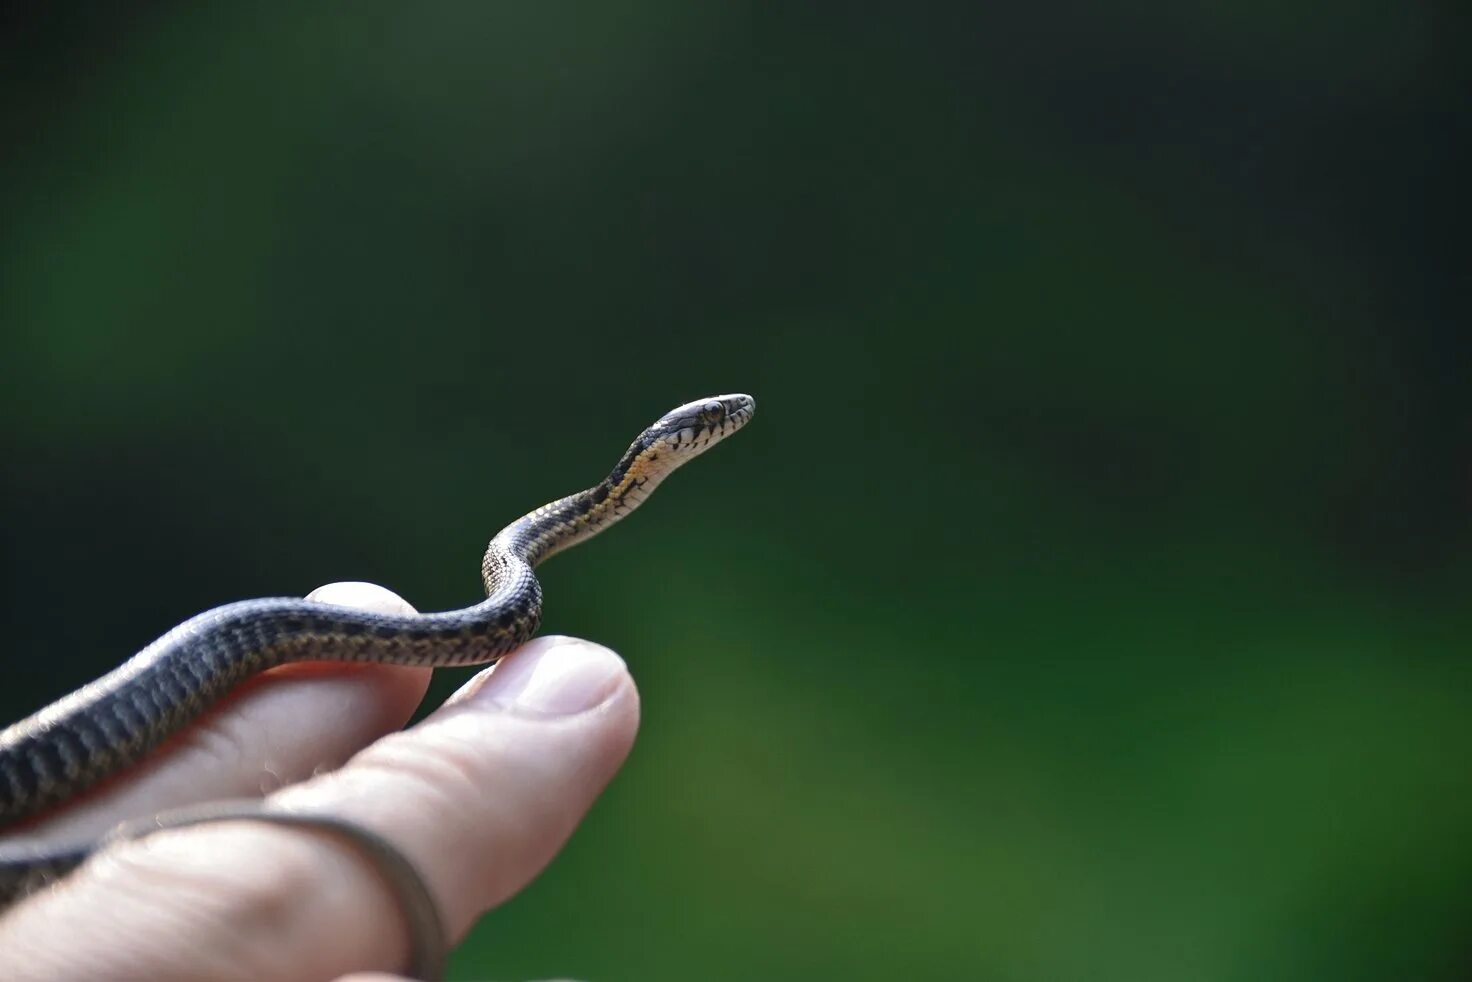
(712, 412)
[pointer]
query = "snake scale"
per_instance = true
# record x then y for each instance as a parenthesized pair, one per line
(101, 729)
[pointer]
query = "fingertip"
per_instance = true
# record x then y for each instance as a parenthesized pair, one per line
(554, 675)
(363, 596)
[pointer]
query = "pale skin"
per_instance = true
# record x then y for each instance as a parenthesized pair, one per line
(479, 796)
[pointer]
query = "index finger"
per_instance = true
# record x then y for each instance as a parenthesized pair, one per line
(276, 729)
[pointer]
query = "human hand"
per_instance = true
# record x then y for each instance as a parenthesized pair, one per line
(478, 797)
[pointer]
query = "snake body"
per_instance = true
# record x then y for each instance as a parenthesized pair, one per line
(112, 723)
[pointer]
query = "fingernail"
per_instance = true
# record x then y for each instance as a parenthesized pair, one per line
(554, 676)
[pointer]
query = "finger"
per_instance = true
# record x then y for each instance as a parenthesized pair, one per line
(479, 797)
(277, 729)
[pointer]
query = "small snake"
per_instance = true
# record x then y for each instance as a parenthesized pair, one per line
(112, 723)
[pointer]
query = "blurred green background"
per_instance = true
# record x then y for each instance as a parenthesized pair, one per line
(1089, 598)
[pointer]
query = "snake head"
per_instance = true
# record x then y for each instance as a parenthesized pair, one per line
(679, 435)
(697, 425)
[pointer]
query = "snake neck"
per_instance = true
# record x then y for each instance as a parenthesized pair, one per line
(561, 524)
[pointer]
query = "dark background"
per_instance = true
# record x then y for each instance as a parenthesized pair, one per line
(1090, 596)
